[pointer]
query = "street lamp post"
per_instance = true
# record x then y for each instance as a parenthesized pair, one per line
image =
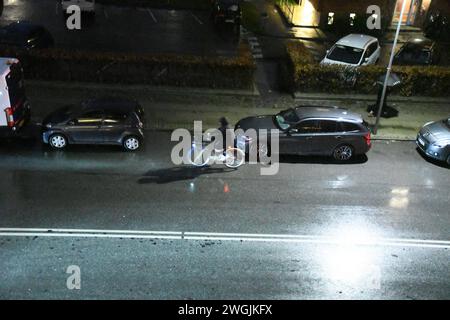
(389, 68)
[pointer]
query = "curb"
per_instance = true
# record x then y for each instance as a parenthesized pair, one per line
(250, 93)
(393, 139)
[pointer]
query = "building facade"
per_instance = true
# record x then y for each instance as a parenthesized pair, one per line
(313, 13)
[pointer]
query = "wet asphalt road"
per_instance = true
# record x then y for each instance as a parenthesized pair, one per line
(361, 230)
(128, 29)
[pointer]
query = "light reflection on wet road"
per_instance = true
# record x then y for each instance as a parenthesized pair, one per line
(393, 193)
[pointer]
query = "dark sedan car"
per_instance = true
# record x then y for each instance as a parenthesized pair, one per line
(25, 35)
(327, 131)
(418, 51)
(226, 11)
(108, 121)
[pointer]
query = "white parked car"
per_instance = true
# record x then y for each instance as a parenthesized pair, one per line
(354, 50)
(86, 6)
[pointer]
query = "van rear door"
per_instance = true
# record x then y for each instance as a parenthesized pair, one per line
(19, 107)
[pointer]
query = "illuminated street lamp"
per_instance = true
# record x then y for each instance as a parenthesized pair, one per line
(389, 68)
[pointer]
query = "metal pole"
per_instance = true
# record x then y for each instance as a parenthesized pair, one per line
(389, 68)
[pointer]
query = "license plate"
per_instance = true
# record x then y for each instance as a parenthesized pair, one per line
(421, 142)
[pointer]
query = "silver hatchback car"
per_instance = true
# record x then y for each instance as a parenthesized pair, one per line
(434, 140)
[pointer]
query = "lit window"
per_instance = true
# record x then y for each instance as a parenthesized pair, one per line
(330, 18)
(352, 19)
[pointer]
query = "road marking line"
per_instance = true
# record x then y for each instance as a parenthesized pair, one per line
(251, 237)
(152, 15)
(196, 18)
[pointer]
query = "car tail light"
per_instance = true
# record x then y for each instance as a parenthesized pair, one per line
(9, 117)
(368, 139)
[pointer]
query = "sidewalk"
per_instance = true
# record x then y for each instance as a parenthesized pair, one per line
(170, 108)
(276, 26)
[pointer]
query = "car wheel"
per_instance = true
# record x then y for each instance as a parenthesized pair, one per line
(57, 141)
(343, 153)
(131, 143)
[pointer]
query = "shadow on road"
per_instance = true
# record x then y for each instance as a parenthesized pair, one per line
(174, 174)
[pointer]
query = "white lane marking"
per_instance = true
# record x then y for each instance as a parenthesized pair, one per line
(251, 237)
(152, 15)
(196, 18)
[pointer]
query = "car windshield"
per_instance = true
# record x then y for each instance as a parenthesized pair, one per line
(346, 54)
(417, 56)
(286, 118)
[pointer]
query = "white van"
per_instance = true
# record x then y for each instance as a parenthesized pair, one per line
(86, 6)
(14, 106)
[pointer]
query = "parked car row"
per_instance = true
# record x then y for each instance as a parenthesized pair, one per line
(304, 130)
(335, 132)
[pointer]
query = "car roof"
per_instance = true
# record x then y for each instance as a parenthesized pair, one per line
(359, 41)
(110, 103)
(21, 27)
(419, 44)
(304, 112)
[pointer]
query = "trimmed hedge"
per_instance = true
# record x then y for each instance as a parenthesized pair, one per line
(303, 74)
(169, 70)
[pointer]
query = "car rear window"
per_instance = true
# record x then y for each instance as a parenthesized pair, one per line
(346, 54)
(116, 116)
(349, 127)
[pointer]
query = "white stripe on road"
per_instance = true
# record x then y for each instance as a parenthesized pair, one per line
(152, 15)
(251, 237)
(196, 18)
